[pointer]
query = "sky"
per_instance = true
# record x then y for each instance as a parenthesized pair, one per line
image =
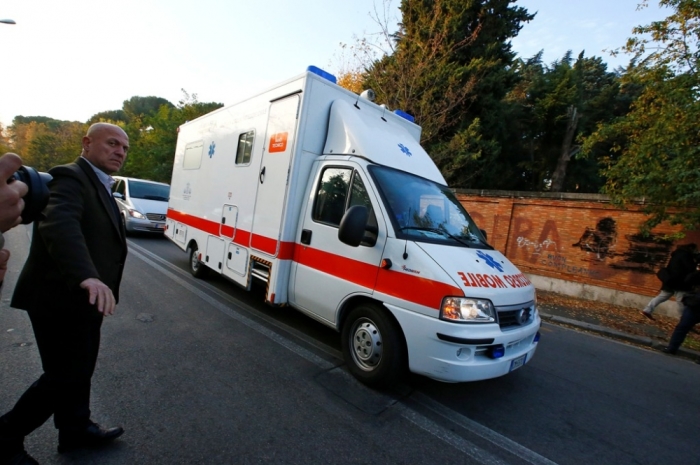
(71, 59)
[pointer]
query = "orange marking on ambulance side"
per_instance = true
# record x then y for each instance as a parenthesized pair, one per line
(278, 142)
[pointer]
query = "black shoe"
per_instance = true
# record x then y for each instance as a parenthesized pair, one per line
(92, 436)
(668, 350)
(647, 314)
(21, 458)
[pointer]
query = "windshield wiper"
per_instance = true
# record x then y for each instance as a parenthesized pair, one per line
(445, 233)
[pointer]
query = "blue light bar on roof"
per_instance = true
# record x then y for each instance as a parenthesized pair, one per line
(322, 73)
(405, 115)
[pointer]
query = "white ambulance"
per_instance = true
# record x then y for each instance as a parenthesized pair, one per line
(329, 199)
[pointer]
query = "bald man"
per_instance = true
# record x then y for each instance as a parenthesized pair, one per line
(68, 284)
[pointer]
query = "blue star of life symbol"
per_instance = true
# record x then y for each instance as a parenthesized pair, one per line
(212, 147)
(489, 260)
(405, 150)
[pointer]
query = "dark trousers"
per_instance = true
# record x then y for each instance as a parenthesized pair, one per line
(68, 342)
(689, 318)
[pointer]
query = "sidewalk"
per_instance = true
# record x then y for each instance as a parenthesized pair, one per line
(617, 322)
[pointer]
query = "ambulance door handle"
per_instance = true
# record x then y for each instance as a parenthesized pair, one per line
(262, 175)
(306, 236)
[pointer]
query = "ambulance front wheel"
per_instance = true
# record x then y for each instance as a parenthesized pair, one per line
(373, 346)
(197, 268)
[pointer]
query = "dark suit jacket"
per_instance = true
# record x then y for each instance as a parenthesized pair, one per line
(80, 236)
(681, 265)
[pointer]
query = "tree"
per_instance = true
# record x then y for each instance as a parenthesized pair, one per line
(153, 137)
(50, 147)
(654, 148)
(112, 116)
(451, 69)
(44, 142)
(553, 106)
(4, 142)
(143, 106)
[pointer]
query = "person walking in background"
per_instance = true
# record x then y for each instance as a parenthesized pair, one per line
(682, 264)
(689, 318)
(68, 284)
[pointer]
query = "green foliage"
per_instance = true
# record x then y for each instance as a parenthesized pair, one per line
(451, 69)
(143, 106)
(112, 116)
(150, 122)
(4, 142)
(44, 142)
(547, 103)
(153, 137)
(489, 120)
(654, 148)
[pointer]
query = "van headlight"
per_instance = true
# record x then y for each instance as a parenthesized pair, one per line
(467, 310)
(136, 214)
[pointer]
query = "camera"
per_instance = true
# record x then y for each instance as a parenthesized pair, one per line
(37, 195)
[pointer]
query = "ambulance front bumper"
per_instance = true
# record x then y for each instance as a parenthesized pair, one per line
(452, 352)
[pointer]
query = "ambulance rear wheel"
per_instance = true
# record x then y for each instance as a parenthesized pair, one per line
(373, 346)
(197, 268)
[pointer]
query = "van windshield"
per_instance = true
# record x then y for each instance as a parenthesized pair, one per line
(425, 211)
(149, 190)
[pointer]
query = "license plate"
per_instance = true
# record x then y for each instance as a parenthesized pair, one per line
(160, 226)
(517, 362)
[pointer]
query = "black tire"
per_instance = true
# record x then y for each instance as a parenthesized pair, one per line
(373, 346)
(197, 268)
(126, 231)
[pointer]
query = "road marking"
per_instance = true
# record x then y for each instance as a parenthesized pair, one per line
(480, 430)
(444, 434)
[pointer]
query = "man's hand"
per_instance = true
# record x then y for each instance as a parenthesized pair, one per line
(100, 295)
(11, 203)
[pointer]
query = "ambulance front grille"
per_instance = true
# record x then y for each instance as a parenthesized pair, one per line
(511, 318)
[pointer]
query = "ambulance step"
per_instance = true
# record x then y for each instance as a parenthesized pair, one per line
(260, 271)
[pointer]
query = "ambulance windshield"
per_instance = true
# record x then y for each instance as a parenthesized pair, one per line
(425, 211)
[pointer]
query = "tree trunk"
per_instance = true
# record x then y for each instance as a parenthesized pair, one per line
(560, 172)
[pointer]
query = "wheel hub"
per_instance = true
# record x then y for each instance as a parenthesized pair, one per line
(195, 260)
(367, 345)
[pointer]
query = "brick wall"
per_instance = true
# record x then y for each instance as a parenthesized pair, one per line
(574, 237)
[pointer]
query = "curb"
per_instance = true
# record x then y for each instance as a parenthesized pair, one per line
(619, 335)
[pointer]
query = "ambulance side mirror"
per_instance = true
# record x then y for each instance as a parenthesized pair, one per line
(352, 226)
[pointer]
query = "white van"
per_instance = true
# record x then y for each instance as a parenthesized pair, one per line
(330, 200)
(142, 204)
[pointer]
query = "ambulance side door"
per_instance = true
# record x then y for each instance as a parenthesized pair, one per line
(327, 271)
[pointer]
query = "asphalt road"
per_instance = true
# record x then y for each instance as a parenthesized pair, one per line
(203, 372)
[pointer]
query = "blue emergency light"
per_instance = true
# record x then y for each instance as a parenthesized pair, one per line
(497, 351)
(324, 74)
(405, 115)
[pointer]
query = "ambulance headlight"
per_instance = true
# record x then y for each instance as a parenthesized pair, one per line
(467, 310)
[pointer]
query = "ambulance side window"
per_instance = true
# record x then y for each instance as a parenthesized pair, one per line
(340, 189)
(193, 155)
(245, 148)
(331, 195)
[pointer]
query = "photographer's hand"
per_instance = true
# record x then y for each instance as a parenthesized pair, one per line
(4, 258)
(100, 295)
(11, 203)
